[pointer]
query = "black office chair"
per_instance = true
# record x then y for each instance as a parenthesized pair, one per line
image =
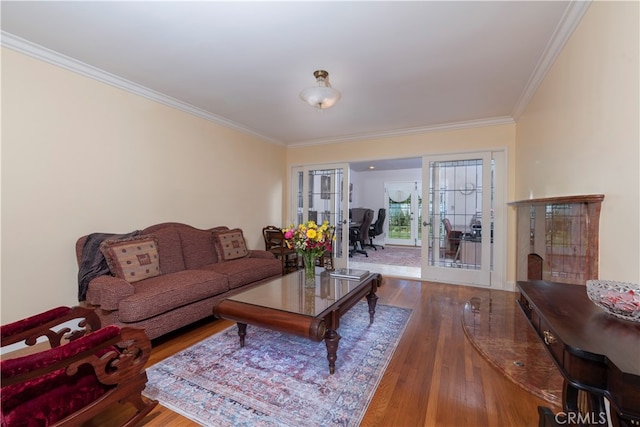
(359, 235)
(375, 229)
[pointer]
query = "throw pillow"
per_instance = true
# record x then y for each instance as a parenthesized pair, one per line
(197, 247)
(132, 259)
(230, 244)
(169, 250)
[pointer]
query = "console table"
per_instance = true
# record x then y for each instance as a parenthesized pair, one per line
(597, 353)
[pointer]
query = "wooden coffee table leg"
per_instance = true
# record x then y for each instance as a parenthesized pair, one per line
(372, 299)
(242, 332)
(331, 339)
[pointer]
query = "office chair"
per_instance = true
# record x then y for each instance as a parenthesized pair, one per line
(375, 229)
(358, 235)
(453, 239)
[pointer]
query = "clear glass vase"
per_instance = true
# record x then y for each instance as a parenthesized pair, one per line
(309, 259)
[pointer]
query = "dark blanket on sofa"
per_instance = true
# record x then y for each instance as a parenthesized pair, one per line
(92, 263)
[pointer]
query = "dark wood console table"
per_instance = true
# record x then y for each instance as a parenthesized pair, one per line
(597, 353)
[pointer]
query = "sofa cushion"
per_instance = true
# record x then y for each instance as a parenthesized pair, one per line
(160, 294)
(243, 271)
(197, 247)
(132, 259)
(170, 250)
(230, 244)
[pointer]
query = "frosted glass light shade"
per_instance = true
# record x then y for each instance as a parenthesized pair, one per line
(322, 95)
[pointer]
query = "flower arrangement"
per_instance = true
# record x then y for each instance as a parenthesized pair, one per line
(310, 241)
(309, 237)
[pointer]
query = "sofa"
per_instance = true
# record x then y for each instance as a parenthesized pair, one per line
(168, 275)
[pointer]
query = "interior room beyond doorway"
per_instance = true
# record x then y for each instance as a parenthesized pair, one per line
(453, 210)
(368, 181)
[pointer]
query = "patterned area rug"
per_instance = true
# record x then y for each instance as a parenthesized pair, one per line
(279, 379)
(406, 256)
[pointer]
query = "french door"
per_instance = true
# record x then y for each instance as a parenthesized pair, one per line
(318, 194)
(459, 218)
(403, 202)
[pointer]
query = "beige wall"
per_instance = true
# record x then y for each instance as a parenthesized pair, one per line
(456, 141)
(580, 133)
(79, 156)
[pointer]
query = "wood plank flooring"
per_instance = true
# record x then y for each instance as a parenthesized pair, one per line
(435, 378)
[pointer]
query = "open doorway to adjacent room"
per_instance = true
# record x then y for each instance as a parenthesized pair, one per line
(395, 186)
(442, 209)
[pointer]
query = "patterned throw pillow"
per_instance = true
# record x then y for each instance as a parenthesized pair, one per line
(132, 259)
(230, 244)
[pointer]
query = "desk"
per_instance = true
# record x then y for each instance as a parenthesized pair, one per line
(470, 251)
(596, 352)
(354, 239)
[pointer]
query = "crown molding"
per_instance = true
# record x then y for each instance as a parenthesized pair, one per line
(495, 121)
(26, 47)
(570, 20)
(565, 28)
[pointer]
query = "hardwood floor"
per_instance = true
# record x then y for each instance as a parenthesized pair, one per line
(435, 378)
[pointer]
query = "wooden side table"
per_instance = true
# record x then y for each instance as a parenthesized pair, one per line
(597, 353)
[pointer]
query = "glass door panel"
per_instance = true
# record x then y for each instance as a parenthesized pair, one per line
(403, 204)
(318, 195)
(459, 193)
(418, 209)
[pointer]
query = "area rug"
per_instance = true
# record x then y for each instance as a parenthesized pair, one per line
(406, 256)
(279, 379)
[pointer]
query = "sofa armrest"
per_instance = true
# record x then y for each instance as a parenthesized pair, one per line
(108, 291)
(257, 253)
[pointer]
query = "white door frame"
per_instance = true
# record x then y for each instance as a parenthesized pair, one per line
(340, 257)
(493, 256)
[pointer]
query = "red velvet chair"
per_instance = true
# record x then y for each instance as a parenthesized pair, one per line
(74, 376)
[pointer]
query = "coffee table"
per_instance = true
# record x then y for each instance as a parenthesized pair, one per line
(286, 305)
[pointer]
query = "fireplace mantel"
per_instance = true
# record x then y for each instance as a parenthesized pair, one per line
(558, 238)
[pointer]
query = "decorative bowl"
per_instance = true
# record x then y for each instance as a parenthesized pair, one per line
(618, 298)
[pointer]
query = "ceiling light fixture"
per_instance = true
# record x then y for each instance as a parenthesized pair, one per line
(322, 95)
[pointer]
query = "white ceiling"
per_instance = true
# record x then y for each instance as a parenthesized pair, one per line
(402, 67)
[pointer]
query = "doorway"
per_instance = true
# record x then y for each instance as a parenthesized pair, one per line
(489, 214)
(403, 202)
(369, 191)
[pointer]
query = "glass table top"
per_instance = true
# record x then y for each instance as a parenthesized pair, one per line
(288, 293)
